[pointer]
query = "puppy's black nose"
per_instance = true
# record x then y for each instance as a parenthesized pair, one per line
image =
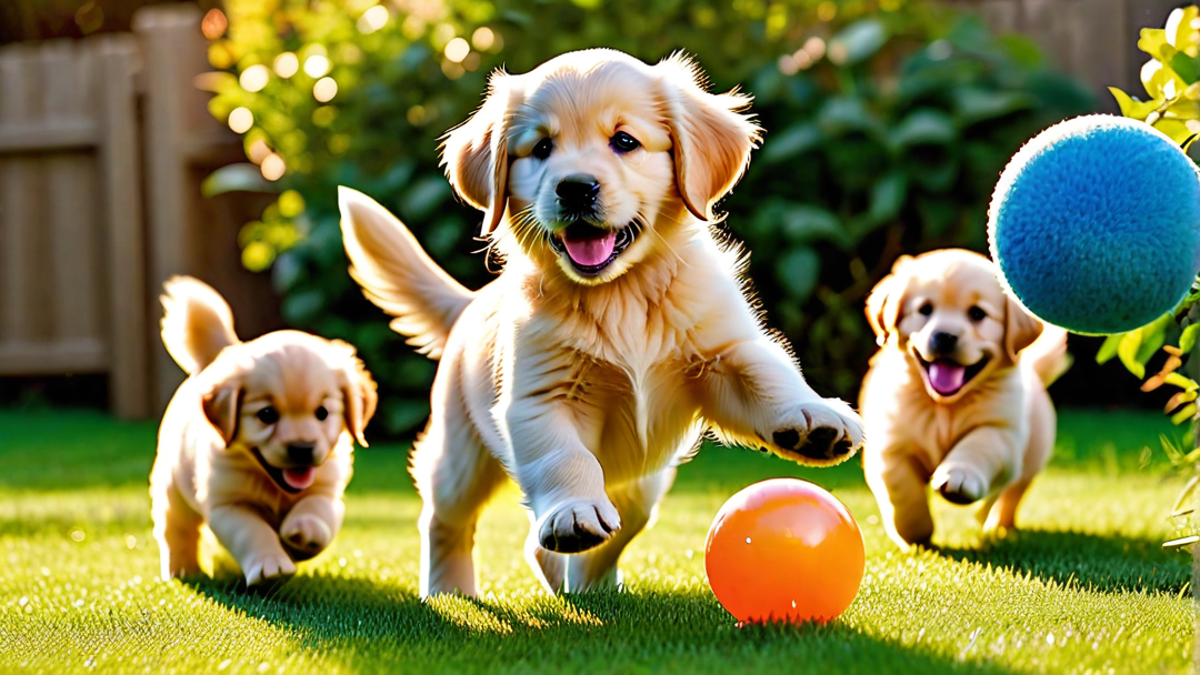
(943, 343)
(300, 453)
(577, 191)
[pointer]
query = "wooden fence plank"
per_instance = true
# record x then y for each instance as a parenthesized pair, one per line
(129, 338)
(17, 203)
(162, 30)
(72, 205)
(49, 136)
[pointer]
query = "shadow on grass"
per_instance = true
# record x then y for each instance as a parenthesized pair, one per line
(1107, 564)
(367, 626)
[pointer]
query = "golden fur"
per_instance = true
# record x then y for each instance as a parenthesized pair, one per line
(587, 387)
(289, 401)
(985, 440)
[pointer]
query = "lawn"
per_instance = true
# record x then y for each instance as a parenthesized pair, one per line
(1084, 588)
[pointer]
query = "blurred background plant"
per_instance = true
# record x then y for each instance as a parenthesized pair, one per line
(887, 123)
(1171, 79)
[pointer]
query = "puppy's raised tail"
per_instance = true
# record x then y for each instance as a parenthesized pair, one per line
(1048, 354)
(398, 276)
(197, 323)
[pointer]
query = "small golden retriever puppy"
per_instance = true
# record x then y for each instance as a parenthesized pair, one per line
(619, 330)
(257, 443)
(956, 395)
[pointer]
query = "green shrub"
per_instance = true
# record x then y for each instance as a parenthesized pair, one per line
(887, 120)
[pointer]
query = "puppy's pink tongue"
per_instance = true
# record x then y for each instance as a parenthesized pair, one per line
(590, 251)
(946, 377)
(300, 477)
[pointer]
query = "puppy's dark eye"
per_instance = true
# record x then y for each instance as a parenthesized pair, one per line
(543, 148)
(926, 309)
(268, 415)
(976, 314)
(322, 413)
(623, 142)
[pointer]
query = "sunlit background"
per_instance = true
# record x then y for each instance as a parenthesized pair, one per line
(141, 139)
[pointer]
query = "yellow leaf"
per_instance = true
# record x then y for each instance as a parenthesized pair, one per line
(1127, 351)
(1182, 381)
(1137, 110)
(1184, 414)
(1175, 130)
(1152, 40)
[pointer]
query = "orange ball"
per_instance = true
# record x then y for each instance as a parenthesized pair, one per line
(784, 550)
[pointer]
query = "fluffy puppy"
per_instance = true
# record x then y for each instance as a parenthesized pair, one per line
(619, 330)
(956, 395)
(257, 443)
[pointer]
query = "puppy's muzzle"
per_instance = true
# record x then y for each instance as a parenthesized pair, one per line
(577, 195)
(943, 344)
(301, 454)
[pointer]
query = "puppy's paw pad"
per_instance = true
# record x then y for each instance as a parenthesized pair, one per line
(268, 567)
(305, 535)
(821, 432)
(959, 485)
(577, 526)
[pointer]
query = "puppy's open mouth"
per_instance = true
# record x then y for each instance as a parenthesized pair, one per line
(591, 249)
(948, 377)
(292, 479)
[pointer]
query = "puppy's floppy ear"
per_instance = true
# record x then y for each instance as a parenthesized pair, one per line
(475, 153)
(1020, 327)
(712, 137)
(358, 394)
(222, 406)
(885, 300)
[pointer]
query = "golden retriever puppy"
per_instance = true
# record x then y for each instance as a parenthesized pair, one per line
(956, 395)
(619, 330)
(257, 443)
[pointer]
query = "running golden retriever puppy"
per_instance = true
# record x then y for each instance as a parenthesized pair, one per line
(619, 331)
(956, 395)
(257, 443)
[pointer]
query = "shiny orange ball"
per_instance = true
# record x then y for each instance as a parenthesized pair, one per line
(784, 550)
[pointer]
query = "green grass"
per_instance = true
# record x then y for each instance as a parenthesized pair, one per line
(1084, 588)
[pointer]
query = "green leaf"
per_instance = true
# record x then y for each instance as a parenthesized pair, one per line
(1153, 336)
(1127, 351)
(805, 223)
(857, 42)
(244, 177)
(791, 142)
(1184, 66)
(925, 126)
(1109, 348)
(1188, 339)
(887, 197)
(842, 114)
(798, 271)
(975, 104)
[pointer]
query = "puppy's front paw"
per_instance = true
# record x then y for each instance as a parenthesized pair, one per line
(959, 484)
(576, 526)
(265, 567)
(305, 535)
(821, 432)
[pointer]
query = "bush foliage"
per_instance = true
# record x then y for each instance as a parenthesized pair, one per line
(887, 123)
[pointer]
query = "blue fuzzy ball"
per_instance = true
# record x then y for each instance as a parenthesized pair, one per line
(1095, 224)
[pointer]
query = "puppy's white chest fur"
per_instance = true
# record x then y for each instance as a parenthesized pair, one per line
(624, 365)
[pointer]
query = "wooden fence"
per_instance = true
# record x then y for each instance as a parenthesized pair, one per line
(103, 145)
(1095, 40)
